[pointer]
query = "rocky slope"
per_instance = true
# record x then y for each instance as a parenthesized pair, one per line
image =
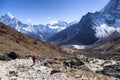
(14, 41)
(57, 69)
(112, 45)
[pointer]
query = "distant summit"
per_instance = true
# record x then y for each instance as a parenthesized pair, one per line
(9, 15)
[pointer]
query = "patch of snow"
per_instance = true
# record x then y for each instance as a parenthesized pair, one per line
(42, 36)
(53, 27)
(62, 28)
(104, 31)
(79, 46)
(52, 21)
(118, 29)
(10, 15)
(29, 28)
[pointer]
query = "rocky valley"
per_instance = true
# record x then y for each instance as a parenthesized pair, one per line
(84, 50)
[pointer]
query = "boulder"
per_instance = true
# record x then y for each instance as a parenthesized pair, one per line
(4, 56)
(13, 55)
(8, 56)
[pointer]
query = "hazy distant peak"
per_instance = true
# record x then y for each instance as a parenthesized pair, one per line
(10, 15)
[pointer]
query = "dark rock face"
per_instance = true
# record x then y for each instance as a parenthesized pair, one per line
(81, 33)
(112, 70)
(8, 56)
(54, 71)
(92, 27)
(113, 8)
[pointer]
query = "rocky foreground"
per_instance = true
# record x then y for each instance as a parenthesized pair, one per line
(74, 68)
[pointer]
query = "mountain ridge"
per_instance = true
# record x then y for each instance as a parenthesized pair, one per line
(91, 27)
(37, 31)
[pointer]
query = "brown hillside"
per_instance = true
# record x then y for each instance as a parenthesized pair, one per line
(111, 45)
(12, 40)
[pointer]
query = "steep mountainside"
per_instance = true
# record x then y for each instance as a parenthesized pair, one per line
(92, 26)
(111, 45)
(14, 41)
(76, 34)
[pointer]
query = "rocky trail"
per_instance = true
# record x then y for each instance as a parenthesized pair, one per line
(75, 68)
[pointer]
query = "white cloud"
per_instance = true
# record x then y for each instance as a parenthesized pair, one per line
(52, 21)
(49, 17)
(29, 20)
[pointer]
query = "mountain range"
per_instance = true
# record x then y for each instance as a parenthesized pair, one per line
(37, 31)
(92, 28)
(95, 54)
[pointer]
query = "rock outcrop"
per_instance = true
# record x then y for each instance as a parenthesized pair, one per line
(8, 55)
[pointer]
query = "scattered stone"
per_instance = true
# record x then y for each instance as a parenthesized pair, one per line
(13, 73)
(60, 69)
(4, 56)
(54, 71)
(112, 70)
(96, 78)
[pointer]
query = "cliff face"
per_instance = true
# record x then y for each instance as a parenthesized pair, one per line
(113, 8)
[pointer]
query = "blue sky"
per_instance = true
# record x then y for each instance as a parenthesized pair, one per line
(43, 11)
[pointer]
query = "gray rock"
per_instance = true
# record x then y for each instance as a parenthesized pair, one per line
(112, 70)
(13, 73)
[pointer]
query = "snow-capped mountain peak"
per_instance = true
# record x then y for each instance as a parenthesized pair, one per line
(52, 21)
(10, 15)
(92, 27)
(36, 31)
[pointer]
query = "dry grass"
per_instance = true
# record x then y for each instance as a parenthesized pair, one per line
(81, 75)
(11, 40)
